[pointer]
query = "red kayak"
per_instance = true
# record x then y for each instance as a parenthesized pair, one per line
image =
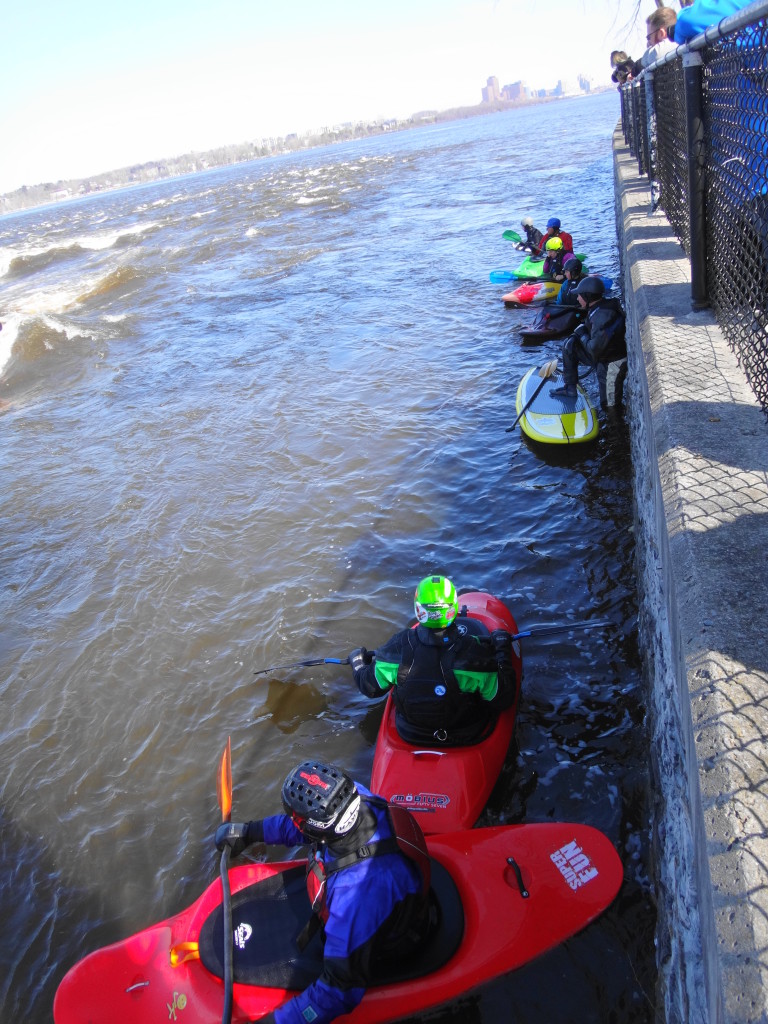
(531, 294)
(448, 787)
(503, 895)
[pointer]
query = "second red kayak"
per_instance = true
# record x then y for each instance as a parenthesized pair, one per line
(448, 787)
(502, 896)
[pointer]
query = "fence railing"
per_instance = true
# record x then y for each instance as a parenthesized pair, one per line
(697, 122)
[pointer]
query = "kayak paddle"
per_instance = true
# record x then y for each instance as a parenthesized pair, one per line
(303, 664)
(553, 630)
(511, 236)
(224, 796)
(502, 276)
(545, 372)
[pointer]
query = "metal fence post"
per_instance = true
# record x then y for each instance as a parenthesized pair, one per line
(692, 65)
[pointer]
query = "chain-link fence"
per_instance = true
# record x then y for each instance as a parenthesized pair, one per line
(706, 107)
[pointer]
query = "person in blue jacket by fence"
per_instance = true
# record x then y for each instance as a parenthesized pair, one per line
(368, 879)
(692, 20)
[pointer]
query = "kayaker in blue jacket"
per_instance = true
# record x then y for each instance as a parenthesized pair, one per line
(572, 268)
(450, 677)
(369, 897)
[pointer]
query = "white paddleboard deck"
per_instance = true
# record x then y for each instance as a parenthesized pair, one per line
(554, 420)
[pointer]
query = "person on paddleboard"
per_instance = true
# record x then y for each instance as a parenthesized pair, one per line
(554, 231)
(450, 677)
(368, 879)
(533, 236)
(596, 342)
(572, 268)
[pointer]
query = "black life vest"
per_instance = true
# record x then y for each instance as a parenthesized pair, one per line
(614, 332)
(428, 695)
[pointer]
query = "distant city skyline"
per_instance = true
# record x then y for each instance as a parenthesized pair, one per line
(97, 87)
(516, 91)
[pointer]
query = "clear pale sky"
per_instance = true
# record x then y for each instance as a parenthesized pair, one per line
(92, 86)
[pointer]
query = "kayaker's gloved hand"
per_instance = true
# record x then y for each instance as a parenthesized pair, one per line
(359, 658)
(507, 691)
(239, 835)
(502, 643)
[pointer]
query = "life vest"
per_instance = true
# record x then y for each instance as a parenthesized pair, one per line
(614, 332)
(427, 693)
(407, 838)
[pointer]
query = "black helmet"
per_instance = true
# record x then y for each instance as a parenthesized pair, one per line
(573, 264)
(592, 288)
(322, 800)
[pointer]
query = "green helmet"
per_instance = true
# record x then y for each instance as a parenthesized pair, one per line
(436, 602)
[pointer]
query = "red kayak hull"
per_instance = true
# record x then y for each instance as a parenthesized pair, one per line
(570, 872)
(447, 787)
(531, 294)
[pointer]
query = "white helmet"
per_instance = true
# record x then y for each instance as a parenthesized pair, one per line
(527, 222)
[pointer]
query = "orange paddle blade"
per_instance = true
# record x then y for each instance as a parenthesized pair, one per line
(224, 782)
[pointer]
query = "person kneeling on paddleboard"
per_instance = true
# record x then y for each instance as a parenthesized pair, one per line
(596, 342)
(368, 878)
(533, 237)
(450, 677)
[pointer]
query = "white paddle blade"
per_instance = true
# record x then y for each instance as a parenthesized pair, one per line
(548, 369)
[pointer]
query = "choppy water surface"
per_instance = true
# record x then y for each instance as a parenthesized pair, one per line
(242, 413)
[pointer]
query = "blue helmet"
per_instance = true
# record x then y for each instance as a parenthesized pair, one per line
(554, 222)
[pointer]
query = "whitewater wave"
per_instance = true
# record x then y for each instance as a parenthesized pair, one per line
(16, 262)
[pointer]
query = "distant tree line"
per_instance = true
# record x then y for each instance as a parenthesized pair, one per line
(189, 163)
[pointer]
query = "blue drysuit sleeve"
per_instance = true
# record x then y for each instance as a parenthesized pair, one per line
(350, 931)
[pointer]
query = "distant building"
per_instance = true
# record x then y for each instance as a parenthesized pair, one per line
(516, 91)
(491, 92)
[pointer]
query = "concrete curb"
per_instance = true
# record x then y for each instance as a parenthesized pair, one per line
(700, 457)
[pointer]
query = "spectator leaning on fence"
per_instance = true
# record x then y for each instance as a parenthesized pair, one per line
(624, 68)
(661, 26)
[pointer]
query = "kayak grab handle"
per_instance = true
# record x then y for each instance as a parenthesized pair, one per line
(519, 876)
(139, 984)
(428, 753)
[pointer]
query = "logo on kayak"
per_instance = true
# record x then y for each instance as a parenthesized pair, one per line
(440, 690)
(574, 865)
(243, 932)
(421, 801)
(314, 780)
(179, 1002)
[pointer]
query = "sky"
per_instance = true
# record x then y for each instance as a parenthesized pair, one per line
(96, 86)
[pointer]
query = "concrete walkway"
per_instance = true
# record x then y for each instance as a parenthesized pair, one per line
(700, 456)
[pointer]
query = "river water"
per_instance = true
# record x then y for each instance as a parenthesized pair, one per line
(241, 414)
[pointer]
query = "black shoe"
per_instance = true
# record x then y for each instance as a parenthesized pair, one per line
(566, 391)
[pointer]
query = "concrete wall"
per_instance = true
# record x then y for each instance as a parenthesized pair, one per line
(700, 457)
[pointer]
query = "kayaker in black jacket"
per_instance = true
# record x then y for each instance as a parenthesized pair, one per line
(450, 676)
(596, 342)
(533, 237)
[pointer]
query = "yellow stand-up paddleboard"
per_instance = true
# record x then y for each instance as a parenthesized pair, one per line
(553, 420)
